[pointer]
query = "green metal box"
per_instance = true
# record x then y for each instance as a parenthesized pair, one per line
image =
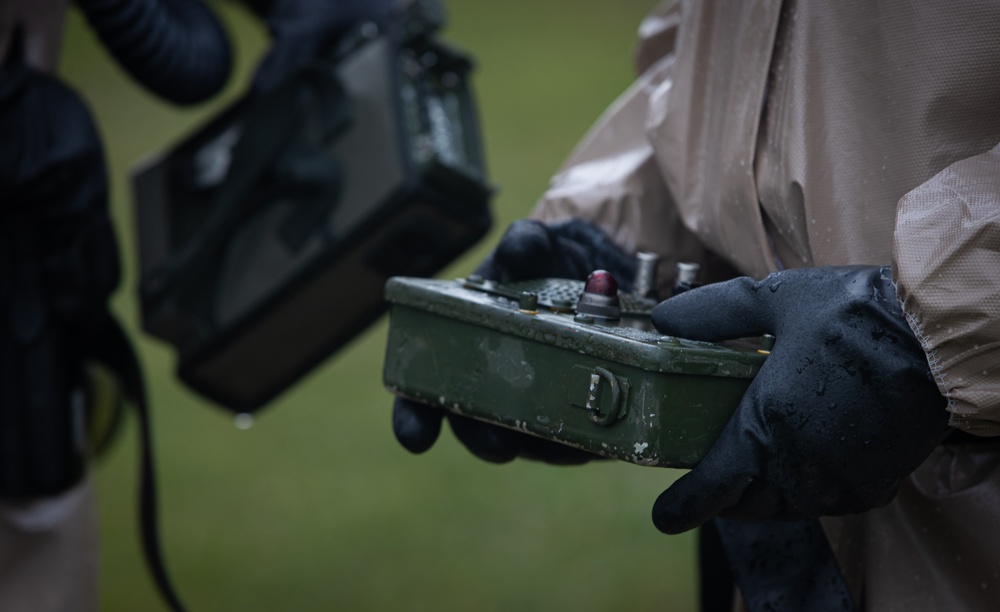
(516, 355)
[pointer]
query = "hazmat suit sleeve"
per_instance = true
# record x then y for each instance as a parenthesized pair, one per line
(612, 178)
(947, 272)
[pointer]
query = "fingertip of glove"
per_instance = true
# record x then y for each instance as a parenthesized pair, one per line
(668, 316)
(668, 519)
(522, 247)
(491, 443)
(719, 311)
(416, 426)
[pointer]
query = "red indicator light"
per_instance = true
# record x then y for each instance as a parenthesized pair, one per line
(600, 296)
(601, 282)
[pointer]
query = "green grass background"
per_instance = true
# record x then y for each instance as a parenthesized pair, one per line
(316, 507)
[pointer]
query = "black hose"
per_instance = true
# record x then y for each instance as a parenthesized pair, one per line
(175, 48)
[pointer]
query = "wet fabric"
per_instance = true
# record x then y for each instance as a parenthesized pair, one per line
(948, 250)
(806, 133)
(933, 548)
(783, 135)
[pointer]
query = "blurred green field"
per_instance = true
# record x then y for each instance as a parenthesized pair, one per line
(316, 507)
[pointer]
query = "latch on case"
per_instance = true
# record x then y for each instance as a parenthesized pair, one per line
(601, 392)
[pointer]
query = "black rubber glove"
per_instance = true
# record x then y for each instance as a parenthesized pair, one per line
(529, 249)
(843, 409)
(303, 28)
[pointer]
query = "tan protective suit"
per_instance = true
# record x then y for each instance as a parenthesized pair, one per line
(811, 133)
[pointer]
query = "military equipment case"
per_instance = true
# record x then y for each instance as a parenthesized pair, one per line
(614, 388)
(293, 279)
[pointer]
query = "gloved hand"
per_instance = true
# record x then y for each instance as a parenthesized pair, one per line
(843, 409)
(529, 249)
(303, 28)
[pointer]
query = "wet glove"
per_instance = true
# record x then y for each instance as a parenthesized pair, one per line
(843, 409)
(529, 249)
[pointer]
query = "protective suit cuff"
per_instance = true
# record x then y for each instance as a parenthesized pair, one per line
(974, 426)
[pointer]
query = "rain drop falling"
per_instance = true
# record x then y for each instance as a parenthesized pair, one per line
(243, 421)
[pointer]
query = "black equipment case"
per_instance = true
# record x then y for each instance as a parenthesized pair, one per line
(266, 238)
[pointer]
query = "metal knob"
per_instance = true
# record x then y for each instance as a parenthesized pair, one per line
(645, 274)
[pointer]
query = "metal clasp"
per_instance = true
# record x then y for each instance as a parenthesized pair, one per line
(605, 413)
